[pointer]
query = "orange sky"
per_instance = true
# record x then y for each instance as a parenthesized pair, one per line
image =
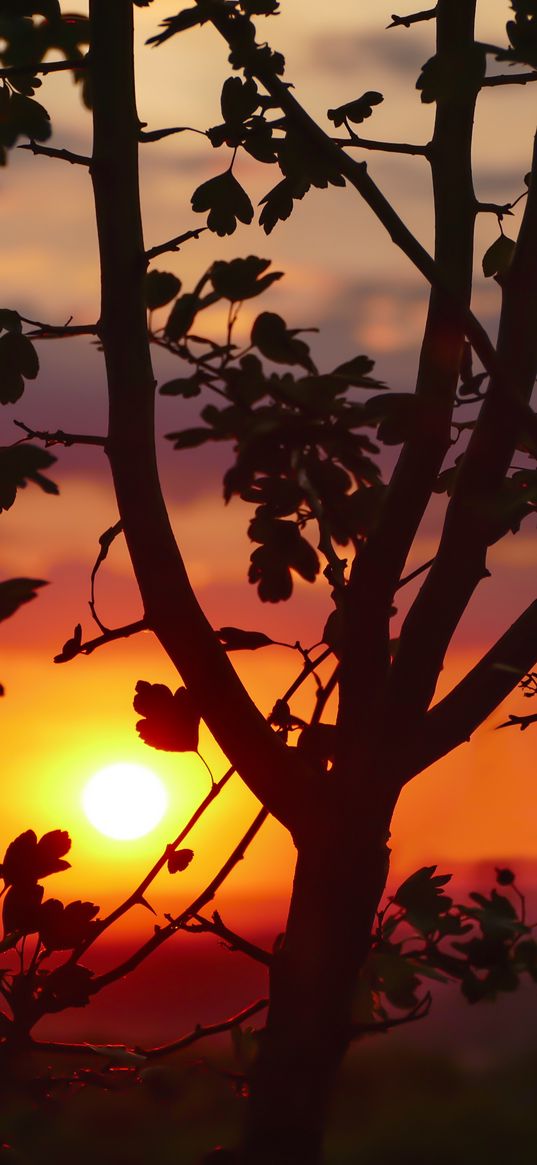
(61, 724)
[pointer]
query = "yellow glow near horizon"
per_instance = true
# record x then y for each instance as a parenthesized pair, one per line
(124, 801)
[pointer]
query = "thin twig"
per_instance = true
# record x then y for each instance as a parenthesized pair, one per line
(234, 941)
(43, 68)
(414, 574)
(108, 636)
(163, 933)
(422, 1008)
(174, 244)
(134, 898)
(62, 155)
(155, 135)
(509, 79)
(406, 21)
(59, 437)
(200, 1033)
(385, 147)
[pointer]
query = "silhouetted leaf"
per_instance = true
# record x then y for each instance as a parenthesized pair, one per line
(522, 33)
(160, 287)
(21, 909)
(422, 899)
(260, 7)
(504, 877)
(283, 549)
(278, 343)
(179, 860)
(18, 362)
(181, 317)
(452, 75)
(62, 928)
(28, 860)
(355, 372)
(234, 639)
(278, 203)
(185, 386)
(10, 321)
(240, 278)
(355, 111)
(170, 723)
(67, 986)
(239, 99)
(16, 591)
(497, 260)
(317, 742)
(226, 201)
(71, 647)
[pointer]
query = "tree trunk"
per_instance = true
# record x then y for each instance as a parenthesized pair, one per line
(338, 884)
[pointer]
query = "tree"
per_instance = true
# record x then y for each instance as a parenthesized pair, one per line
(303, 459)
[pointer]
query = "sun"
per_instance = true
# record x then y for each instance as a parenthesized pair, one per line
(124, 801)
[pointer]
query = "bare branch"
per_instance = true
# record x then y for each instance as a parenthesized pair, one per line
(163, 933)
(43, 67)
(421, 1009)
(509, 79)
(415, 18)
(155, 135)
(521, 722)
(452, 721)
(62, 155)
(50, 331)
(200, 1033)
(234, 941)
(385, 147)
(59, 437)
(108, 636)
(174, 244)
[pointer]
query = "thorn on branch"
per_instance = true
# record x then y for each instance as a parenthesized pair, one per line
(62, 155)
(521, 722)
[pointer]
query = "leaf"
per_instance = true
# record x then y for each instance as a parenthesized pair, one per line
(28, 860)
(317, 743)
(355, 372)
(18, 362)
(181, 317)
(179, 860)
(277, 342)
(185, 386)
(355, 111)
(119, 1053)
(422, 899)
(226, 202)
(278, 203)
(62, 928)
(10, 321)
(283, 549)
(234, 639)
(21, 908)
(497, 260)
(67, 986)
(240, 278)
(238, 100)
(14, 592)
(452, 75)
(71, 647)
(160, 287)
(20, 464)
(170, 722)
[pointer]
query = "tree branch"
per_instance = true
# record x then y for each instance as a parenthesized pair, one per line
(279, 778)
(59, 437)
(62, 155)
(415, 18)
(174, 244)
(42, 67)
(509, 79)
(200, 1033)
(385, 147)
(452, 721)
(378, 567)
(472, 520)
(108, 636)
(163, 933)
(422, 1008)
(234, 941)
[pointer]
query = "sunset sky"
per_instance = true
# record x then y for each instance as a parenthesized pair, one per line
(61, 724)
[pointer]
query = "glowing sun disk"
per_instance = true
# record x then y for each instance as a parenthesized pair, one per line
(124, 801)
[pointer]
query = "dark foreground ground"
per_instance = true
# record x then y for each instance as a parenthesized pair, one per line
(458, 1088)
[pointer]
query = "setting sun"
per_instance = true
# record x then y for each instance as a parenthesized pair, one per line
(124, 801)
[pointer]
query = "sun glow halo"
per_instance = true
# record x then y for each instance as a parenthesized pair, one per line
(124, 801)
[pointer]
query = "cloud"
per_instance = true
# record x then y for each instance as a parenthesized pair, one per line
(342, 54)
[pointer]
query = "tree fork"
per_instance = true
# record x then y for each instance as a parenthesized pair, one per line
(171, 608)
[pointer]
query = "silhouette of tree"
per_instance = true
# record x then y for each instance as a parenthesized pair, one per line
(304, 458)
